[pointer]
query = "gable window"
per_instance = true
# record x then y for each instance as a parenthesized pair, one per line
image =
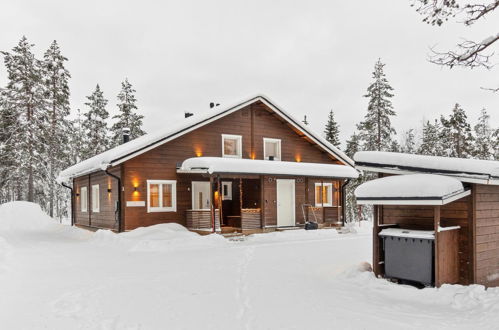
(161, 196)
(95, 198)
(83, 199)
(271, 149)
(226, 190)
(232, 146)
(323, 194)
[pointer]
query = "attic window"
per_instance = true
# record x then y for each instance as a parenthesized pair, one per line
(272, 149)
(232, 146)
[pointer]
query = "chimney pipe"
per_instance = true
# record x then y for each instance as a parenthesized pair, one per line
(188, 114)
(126, 134)
(213, 104)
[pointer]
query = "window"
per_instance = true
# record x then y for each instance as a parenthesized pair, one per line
(271, 149)
(201, 196)
(326, 197)
(95, 198)
(83, 199)
(226, 190)
(161, 196)
(232, 146)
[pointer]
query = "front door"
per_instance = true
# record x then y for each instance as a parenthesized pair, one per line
(201, 197)
(285, 203)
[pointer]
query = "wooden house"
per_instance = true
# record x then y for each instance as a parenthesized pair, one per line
(456, 199)
(248, 167)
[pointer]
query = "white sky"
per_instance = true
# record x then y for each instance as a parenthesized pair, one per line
(307, 56)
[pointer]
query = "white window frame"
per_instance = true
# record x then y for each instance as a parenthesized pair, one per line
(239, 139)
(193, 183)
(84, 199)
(278, 141)
(95, 192)
(329, 194)
(173, 208)
(227, 197)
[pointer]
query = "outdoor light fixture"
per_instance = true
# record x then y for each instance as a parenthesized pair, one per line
(134, 188)
(77, 194)
(108, 190)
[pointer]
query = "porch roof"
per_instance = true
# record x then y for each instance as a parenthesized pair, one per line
(219, 165)
(411, 189)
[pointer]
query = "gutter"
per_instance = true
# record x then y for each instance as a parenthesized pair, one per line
(117, 212)
(72, 202)
(343, 201)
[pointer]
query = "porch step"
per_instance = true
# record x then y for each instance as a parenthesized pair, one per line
(288, 228)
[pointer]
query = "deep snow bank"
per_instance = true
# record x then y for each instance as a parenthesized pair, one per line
(23, 216)
(158, 238)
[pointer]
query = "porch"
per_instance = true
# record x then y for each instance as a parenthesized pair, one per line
(244, 195)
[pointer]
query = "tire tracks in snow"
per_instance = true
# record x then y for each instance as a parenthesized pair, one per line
(242, 290)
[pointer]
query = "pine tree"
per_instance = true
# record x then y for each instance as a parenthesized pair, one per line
(376, 130)
(78, 139)
(430, 142)
(353, 145)
(456, 134)
(96, 131)
(24, 103)
(127, 118)
(409, 143)
(56, 79)
(484, 143)
(332, 130)
(495, 143)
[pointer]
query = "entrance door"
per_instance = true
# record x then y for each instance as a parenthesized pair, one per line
(201, 197)
(285, 203)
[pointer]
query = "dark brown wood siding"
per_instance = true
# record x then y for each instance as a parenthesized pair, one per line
(487, 234)
(422, 217)
(105, 218)
(160, 163)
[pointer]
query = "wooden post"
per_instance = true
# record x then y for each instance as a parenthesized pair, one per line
(322, 202)
(436, 225)
(212, 208)
(219, 198)
(376, 256)
(241, 201)
(339, 199)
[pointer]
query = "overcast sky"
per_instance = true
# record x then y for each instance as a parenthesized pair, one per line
(307, 56)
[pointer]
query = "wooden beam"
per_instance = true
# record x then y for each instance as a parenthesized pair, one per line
(436, 225)
(376, 250)
(471, 235)
(212, 208)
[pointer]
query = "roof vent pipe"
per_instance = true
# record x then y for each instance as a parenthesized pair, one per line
(213, 104)
(126, 134)
(188, 114)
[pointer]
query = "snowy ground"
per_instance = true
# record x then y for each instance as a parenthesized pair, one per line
(164, 277)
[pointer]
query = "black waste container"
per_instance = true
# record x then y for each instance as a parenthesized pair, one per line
(409, 254)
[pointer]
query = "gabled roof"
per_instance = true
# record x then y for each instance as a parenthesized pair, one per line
(147, 142)
(220, 165)
(466, 170)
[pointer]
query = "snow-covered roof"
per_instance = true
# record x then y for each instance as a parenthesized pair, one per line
(220, 165)
(147, 142)
(411, 189)
(466, 170)
(411, 233)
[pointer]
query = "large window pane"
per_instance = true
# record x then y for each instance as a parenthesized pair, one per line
(230, 147)
(154, 195)
(167, 195)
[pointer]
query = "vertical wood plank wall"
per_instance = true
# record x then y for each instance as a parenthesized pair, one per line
(105, 218)
(421, 217)
(487, 234)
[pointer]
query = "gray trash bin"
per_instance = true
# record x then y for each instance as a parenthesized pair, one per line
(409, 254)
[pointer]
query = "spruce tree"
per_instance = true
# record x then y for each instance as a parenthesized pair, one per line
(127, 118)
(25, 105)
(376, 131)
(430, 142)
(332, 130)
(456, 134)
(56, 79)
(96, 131)
(78, 139)
(353, 145)
(484, 143)
(409, 143)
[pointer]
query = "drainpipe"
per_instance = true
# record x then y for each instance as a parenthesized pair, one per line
(72, 202)
(343, 201)
(118, 209)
